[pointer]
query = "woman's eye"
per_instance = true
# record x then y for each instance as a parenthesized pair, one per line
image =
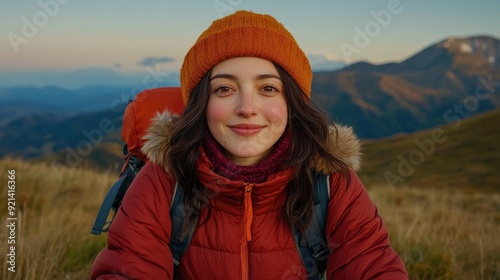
(222, 89)
(270, 89)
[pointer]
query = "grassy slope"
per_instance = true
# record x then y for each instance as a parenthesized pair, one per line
(56, 208)
(443, 234)
(465, 155)
(107, 156)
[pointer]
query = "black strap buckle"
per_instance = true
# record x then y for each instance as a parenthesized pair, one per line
(321, 255)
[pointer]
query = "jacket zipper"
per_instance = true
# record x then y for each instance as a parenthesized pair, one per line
(246, 232)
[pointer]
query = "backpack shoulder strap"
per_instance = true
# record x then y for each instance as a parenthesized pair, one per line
(178, 243)
(115, 195)
(313, 247)
(102, 216)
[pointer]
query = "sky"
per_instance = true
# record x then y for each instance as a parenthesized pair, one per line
(47, 38)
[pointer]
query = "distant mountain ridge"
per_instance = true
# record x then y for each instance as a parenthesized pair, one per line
(381, 100)
(484, 48)
(46, 134)
(16, 102)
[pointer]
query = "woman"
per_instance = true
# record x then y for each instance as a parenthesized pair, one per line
(243, 152)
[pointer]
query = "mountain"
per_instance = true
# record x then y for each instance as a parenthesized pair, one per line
(10, 110)
(448, 81)
(463, 153)
(16, 102)
(77, 136)
(459, 75)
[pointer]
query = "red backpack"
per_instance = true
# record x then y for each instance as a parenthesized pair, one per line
(139, 113)
(137, 118)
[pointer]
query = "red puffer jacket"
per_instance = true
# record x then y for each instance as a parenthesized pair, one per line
(246, 236)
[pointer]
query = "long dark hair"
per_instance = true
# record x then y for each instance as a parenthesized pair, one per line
(310, 136)
(188, 133)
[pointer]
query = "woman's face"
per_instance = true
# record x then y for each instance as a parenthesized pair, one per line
(246, 111)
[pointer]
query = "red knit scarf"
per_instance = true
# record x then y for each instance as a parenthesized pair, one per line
(250, 174)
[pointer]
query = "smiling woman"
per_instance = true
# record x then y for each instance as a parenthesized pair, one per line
(246, 154)
(246, 111)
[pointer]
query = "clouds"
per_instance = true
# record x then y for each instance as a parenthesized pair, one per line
(321, 62)
(151, 61)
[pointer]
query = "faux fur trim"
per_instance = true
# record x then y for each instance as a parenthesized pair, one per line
(157, 139)
(342, 142)
(345, 145)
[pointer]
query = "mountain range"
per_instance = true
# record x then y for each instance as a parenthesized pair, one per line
(17, 102)
(417, 93)
(453, 79)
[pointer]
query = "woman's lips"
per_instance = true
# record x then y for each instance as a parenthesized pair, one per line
(246, 129)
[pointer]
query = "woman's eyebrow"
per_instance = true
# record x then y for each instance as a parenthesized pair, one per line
(268, 76)
(223, 76)
(234, 78)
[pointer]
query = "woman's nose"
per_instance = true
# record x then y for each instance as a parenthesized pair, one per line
(246, 103)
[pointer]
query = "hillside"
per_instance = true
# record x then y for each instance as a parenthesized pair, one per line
(461, 154)
(55, 209)
(47, 135)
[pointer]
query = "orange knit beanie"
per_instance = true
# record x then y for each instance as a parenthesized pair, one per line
(240, 34)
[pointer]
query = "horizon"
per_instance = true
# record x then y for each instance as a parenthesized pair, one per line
(47, 39)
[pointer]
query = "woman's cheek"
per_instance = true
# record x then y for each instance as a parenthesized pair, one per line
(277, 114)
(216, 112)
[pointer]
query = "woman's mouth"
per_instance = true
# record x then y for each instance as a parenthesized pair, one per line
(246, 129)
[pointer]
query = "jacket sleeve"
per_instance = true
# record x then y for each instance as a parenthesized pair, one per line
(139, 237)
(357, 236)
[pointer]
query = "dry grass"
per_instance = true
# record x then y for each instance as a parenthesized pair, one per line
(443, 233)
(440, 233)
(55, 209)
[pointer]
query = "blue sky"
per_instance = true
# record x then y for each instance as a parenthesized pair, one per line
(125, 36)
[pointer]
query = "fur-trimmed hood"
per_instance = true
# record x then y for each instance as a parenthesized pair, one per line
(343, 143)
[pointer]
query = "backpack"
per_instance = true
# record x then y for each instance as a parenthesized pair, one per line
(137, 118)
(138, 114)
